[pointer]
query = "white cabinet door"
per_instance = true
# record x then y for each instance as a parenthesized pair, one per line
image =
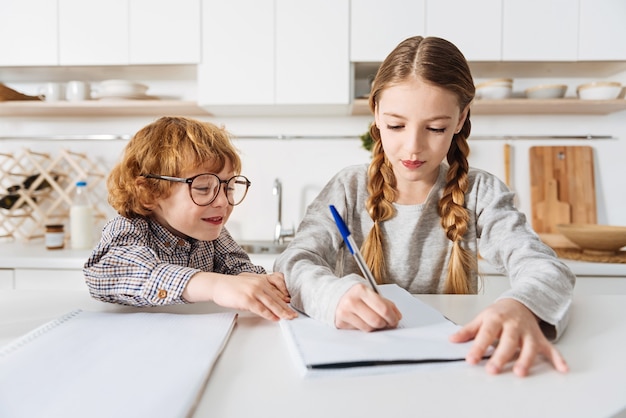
(274, 52)
(475, 27)
(602, 33)
(28, 33)
(49, 279)
(237, 53)
(539, 30)
(312, 52)
(6, 279)
(93, 32)
(164, 31)
(377, 26)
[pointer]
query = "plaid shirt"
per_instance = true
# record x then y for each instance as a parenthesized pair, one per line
(138, 262)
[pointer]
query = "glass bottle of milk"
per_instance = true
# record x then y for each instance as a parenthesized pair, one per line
(81, 218)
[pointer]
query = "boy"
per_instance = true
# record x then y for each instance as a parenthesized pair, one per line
(168, 244)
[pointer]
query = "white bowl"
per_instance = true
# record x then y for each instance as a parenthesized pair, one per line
(494, 92)
(599, 90)
(496, 89)
(546, 91)
(121, 88)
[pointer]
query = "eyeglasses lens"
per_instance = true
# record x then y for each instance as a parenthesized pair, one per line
(206, 187)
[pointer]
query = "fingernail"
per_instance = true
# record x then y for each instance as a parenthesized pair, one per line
(492, 368)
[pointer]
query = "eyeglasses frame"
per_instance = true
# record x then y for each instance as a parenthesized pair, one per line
(190, 180)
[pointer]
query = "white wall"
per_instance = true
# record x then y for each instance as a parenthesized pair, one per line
(304, 165)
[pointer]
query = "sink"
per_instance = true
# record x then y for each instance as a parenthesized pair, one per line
(263, 247)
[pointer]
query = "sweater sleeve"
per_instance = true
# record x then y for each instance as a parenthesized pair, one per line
(312, 263)
(539, 280)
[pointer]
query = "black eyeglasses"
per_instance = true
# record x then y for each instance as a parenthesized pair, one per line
(205, 187)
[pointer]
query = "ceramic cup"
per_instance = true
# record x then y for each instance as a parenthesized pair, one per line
(77, 91)
(51, 92)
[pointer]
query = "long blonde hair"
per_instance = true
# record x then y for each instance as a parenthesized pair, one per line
(167, 147)
(439, 62)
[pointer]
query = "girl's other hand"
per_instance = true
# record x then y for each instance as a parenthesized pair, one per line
(362, 308)
(517, 333)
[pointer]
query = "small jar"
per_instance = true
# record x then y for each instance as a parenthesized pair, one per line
(55, 237)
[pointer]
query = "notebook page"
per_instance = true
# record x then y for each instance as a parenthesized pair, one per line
(100, 364)
(422, 337)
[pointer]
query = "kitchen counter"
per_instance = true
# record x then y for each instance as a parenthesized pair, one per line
(36, 256)
(255, 375)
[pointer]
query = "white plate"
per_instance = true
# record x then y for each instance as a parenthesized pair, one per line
(121, 88)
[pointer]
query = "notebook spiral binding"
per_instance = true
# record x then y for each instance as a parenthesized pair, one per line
(36, 333)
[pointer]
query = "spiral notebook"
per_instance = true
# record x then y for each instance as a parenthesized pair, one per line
(102, 364)
(421, 339)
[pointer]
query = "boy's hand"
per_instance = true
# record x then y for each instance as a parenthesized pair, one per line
(257, 293)
(277, 280)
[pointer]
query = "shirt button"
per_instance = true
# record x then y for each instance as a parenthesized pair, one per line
(180, 242)
(162, 294)
(167, 244)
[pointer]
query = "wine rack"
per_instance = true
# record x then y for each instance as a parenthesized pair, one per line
(36, 189)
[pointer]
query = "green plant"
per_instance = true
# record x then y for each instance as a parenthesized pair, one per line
(367, 141)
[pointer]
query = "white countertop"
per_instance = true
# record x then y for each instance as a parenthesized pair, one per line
(255, 376)
(36, 256)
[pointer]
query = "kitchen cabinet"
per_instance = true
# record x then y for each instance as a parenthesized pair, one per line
(538, 30)
(475, 27)
(123, 32)
(238, 53)
(376, 27)
(6, 279)
(28, 33)
(268, 53)
(49, 279)
(312, 52)
(602, 30)
(164, 32)
(99, 32)
(93, 32)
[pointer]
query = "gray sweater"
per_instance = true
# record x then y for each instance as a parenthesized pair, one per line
(319, 269)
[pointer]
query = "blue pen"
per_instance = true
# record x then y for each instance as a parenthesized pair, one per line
(354, 250)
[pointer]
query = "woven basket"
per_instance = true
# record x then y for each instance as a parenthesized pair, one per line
(7, 94)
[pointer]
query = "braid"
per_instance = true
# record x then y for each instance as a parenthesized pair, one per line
(381, 187)
(454, 216)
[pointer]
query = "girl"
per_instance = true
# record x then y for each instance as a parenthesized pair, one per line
(421, 222)
(169, 245)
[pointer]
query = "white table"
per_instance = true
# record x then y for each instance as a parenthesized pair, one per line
(255, 376)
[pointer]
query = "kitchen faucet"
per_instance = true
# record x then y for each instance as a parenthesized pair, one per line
(279, 232)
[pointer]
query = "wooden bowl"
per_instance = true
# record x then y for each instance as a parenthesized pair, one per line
(595, 239)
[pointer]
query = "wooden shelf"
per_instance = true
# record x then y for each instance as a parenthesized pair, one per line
(565, 106)
(102, 108)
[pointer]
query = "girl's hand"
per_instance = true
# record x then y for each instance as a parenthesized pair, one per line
(516, 329)
(361, 308)
(261, 294)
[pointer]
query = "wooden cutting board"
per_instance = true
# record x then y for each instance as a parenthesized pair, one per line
(561, 181)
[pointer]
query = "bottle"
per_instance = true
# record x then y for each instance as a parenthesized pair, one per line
(81, 219)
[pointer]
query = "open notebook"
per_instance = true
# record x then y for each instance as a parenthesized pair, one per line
(422, 337)
(99, 364)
